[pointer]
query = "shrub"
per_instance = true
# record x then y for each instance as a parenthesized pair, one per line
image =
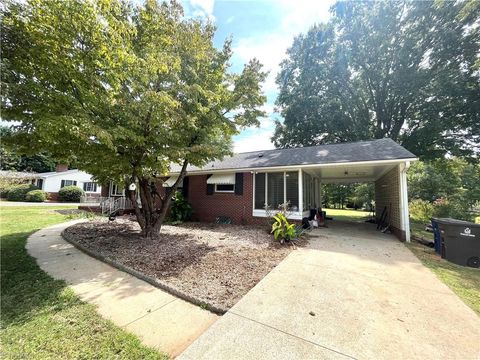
(4, 191)
(181, 209)
(70, 194)
(282, 230)
(18, 192)
(421, 210)
(36, 196)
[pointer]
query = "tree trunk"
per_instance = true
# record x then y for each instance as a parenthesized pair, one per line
(150, 217)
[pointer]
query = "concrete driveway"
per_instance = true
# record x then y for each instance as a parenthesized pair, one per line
(353, 293)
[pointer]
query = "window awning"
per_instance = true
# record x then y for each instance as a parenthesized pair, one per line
(223, 179)
(171, 181)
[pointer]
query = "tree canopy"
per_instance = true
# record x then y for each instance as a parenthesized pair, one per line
(123, 91)
(11, 160)
(408, 70)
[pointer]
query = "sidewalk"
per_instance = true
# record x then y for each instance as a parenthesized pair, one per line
(23, 203)
(159, 319)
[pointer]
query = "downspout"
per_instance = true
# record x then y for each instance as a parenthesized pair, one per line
(404, 197)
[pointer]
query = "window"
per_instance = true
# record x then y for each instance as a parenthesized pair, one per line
(224, 188)
(90, 187)
(260, 191)
(276, 189)
(275, 194)
(68, 183)
(116, 190)
(291, 187)
(40, 183)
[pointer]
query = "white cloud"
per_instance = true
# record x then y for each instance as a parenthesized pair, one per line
(270, 49)
(260, 140)
(200, 8)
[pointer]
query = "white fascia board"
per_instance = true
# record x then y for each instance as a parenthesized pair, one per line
(61, 173)
(297, 167)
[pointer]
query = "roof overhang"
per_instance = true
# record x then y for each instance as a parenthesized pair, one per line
(385, 162)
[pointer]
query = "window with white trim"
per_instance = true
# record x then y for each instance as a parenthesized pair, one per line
(90, 186)
(226, 188)
(68, 183)
(276, 188)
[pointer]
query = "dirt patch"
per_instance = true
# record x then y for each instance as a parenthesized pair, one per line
(216, 264)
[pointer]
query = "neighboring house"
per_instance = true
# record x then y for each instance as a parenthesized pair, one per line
(239, 186)
(52, 182)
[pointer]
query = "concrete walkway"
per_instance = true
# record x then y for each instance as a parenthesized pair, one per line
(353, 293)
(30, 204)
(156, 317)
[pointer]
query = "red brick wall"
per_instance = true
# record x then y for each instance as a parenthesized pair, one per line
(208, 207)
(52, 196)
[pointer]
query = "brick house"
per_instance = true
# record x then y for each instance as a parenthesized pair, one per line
(238, 187)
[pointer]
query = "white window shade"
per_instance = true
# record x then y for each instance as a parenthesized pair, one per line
(222, 179)
(171, 181)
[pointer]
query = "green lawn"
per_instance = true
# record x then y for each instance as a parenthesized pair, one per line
(41, 318)
(464, 281)
(348, 214)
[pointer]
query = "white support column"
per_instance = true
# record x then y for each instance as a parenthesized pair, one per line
(300, 190)
(320, 199)
(404, 213)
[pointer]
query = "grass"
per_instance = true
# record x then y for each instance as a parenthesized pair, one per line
(348, 214)
(41, 317)
(464, 281)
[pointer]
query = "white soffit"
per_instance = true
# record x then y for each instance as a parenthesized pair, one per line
(222, 179)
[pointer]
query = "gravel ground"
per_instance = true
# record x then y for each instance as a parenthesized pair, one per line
(216, 264)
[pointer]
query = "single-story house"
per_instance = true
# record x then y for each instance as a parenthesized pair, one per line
(239, 186)
(52, 182)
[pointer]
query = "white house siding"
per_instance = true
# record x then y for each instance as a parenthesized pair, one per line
(52, 183)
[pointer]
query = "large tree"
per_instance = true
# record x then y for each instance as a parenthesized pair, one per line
(408, 70)
(123, 91)
(11, 160)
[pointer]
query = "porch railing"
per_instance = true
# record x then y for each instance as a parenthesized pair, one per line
(89, 199)
(112, 205)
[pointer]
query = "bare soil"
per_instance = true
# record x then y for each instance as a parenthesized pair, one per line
(216, 264)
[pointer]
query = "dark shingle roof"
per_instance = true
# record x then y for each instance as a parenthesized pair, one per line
(381, 149)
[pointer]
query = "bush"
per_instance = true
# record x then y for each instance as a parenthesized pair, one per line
(36, 196)
(70, 194)
(282, 230)
(18, 192)
(181, 209)
(421, 210)
(4, 191)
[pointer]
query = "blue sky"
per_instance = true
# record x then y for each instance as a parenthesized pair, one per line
(263, 29)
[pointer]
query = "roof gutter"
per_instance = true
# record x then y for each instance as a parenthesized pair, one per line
(296, 167)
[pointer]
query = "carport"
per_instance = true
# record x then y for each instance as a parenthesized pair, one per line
(389, 177)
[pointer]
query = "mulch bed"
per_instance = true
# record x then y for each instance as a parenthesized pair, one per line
(215, 264)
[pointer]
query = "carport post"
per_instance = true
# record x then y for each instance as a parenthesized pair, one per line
(300, 191)
(404, 214)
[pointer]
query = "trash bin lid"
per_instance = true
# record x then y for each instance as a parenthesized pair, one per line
(453, 221)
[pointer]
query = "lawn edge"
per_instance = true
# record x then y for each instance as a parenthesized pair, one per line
(151, 280)
(452, 289)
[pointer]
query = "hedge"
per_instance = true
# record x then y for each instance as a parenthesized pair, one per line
(70, 194)
(18, 192)
(36, 196)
